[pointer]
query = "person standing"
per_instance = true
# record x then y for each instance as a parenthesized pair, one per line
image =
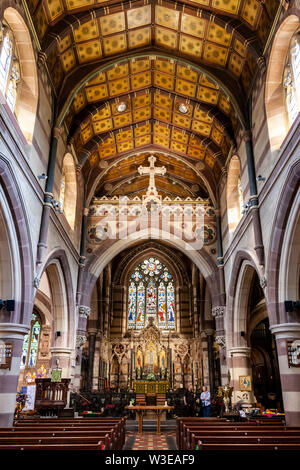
(189, 401)
(205, 400)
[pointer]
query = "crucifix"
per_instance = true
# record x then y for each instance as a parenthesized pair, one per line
(152, 171)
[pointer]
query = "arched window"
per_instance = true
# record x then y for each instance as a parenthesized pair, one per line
(9, 66)
(68, 190)
(234, 194)
(291, 80)
(151, 294)
(31, 343)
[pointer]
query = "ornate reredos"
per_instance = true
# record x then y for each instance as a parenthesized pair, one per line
(150, 334)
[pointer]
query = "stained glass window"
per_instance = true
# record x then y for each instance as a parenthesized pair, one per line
(151, 294)
(31, 343)
(9, 66)
(291, 80)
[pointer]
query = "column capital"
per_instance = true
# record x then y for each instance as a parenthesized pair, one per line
(221, 341)
(60, 351)
(42, 58)
(13, 330)
(286, 330)
(261, 62)
(209, 331)
(92, 331)
(84, 311)
(80, 340)
(56, 132)
(218, 311)
(247, 135)
(240, 351)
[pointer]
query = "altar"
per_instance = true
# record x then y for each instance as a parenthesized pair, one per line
(152, 387)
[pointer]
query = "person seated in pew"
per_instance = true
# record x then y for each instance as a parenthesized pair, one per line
(205, 400)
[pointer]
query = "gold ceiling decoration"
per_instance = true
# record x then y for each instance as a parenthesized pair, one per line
(147, 105)
(114, 30)
(123, 178)
(157, 134)
(167, 104)
(134, 77)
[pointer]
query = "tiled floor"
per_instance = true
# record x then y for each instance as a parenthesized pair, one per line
(151, 441)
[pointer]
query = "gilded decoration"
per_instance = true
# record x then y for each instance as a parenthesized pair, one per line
(116, 30)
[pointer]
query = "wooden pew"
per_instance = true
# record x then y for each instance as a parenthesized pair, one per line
(191, 430)
(214, 425)
(249, 447)
(64, 447)
(64, 434)
(74, 424)
(270, 439)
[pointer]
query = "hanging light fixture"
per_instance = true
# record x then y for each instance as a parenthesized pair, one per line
(121, 107)
(183, 108)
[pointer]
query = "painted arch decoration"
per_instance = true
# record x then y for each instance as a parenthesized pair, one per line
(151, 294)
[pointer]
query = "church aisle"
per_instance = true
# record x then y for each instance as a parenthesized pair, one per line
(150, 441)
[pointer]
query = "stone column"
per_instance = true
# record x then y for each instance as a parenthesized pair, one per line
(241, 366)
(83, 314)
(218, 314)
(289, 375)
(92, 342)
(10, 333)
(205, 364)
(253, 201)
(48, 196)
(211, 362)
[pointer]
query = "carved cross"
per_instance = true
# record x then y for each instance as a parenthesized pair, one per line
(152, 171)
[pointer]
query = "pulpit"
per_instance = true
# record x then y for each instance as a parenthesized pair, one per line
(51, 397)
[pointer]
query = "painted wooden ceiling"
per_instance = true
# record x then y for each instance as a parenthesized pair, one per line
(152, 56)
(122, 178)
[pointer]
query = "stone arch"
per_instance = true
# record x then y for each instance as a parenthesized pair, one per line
(63, 310)
(110, 248)
(69, 189)
(236, 313)
(233, 193)
(274, 100)
(16, 250)
(281, 266)
(28, 88)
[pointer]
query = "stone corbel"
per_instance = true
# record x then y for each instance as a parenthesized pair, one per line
(80, 340)
(218, 311)
(263, 282)
(220, 340)
(84, 312)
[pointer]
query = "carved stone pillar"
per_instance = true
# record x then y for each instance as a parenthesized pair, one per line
(218, 314)
(83, 314)
(205, 364)
(241, 372)
(92, 342)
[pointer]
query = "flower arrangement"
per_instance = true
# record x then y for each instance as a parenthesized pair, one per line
(151, 377)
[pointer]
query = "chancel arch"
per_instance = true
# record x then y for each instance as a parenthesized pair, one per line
(149, 347)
